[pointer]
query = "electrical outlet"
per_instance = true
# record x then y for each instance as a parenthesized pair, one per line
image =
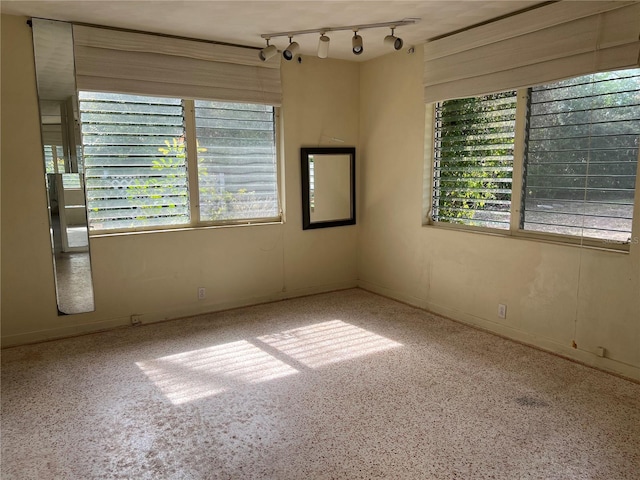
(502, 310)
(136, 320)
(202, 293)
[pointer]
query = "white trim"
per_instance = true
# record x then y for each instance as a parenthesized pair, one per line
(532, 236)
(518, 158)
(179, 228)
(191, 151)
(192, 173)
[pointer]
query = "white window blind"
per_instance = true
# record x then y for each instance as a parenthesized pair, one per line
(474, 141)
(146, 64)
(135, 162)
(237, 173)
(582, 155)
(556, 41)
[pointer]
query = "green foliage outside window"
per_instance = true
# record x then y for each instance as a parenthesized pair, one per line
(474, 157)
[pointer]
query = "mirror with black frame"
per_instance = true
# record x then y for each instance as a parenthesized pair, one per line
(64, 183)
(328, 186)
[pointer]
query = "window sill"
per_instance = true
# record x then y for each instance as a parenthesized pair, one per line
(549, 238)
(180, 228)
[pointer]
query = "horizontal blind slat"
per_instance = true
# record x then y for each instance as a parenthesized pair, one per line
(474, 160)
(136, 172)
(237, 173)
(582, 156)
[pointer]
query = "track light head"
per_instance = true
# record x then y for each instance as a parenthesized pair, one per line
(393, 41)
(323, 46)
(267, 52)
(291, 50)
(356, 43)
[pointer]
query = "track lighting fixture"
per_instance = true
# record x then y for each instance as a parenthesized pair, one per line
(323, 46)
(323, 43)
(291, 50)
(267, 52)
(356, 43)
(393, 41)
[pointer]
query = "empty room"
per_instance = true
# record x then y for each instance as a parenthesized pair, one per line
(320, 239)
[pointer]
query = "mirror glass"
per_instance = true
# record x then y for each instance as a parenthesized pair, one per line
(328, 187)
(55, 73)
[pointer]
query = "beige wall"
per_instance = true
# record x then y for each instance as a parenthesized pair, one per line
(555, 294)
(157, 275)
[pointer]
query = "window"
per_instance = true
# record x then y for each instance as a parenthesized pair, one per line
(137, 160)
(474, 160)
(578, 158)
(582, 156)
(53, 159)
(237, 173)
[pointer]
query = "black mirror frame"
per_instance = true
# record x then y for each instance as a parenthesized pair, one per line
(306, 206)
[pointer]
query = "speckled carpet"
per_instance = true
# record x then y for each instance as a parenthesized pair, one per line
(345, 385)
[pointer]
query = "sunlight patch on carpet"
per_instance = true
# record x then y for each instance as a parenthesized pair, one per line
(328, 342)
(189, 376)
(196, 374)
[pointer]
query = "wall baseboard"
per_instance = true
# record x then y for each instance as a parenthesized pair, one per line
(629, 372)
(166, 315)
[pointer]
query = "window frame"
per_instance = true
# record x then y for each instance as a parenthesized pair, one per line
(434, 182)
(193, 187)
(279, 168)
(515, 210)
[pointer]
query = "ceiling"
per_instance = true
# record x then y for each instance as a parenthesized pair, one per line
(242, 22)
